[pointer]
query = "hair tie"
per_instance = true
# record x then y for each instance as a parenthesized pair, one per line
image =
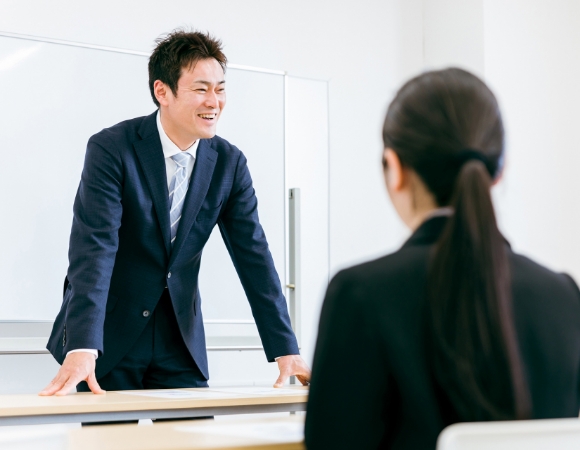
(469, 154)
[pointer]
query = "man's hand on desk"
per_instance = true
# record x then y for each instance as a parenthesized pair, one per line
(77, 367)
(292, 365)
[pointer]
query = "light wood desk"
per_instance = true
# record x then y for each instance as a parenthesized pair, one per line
(286, 433)
(157, 404)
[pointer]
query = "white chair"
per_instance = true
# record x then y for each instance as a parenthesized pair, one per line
(558, 434)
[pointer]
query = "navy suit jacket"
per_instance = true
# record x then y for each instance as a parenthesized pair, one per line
(120, 257)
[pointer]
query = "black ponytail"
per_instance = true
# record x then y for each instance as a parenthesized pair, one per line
(475, 353)
(446, 126)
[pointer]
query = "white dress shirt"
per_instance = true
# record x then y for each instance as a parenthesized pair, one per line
(169, 149)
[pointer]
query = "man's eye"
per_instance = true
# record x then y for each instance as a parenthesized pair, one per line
(201, 90)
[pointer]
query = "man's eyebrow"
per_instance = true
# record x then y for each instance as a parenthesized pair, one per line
(208, 83)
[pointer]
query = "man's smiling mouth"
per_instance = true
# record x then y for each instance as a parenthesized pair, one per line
(208, 116)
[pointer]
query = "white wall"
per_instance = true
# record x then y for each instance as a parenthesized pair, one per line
(453, 34)
(527, 51)
(531, 61)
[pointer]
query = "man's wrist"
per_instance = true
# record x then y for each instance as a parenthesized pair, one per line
(92, 351)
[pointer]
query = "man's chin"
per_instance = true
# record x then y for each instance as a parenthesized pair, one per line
(208, 134)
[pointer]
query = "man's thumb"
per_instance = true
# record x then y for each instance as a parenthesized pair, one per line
(94, 385)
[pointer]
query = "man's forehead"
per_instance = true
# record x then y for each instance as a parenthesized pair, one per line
(200, 72)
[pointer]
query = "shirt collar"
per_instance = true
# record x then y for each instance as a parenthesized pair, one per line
(438, 212)
(169, 148)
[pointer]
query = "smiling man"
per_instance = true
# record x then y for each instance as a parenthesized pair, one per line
(151, 191)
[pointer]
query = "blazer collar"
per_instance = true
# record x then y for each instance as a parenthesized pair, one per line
(198, 187)
(150, 155)
(428, 232)
(149, 126)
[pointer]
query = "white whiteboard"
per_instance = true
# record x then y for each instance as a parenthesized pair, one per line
(53, 98)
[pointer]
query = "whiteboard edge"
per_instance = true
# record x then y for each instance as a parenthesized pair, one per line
(122, 50)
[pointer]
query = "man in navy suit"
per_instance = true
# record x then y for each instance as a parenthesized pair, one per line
(151, 191)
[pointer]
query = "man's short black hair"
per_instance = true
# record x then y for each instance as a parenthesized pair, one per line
(178, 50)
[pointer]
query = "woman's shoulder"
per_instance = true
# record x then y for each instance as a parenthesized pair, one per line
(400, 262)
(532, 279)
(399, 275)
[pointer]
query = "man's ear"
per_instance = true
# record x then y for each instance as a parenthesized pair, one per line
(161, 92)
(395, 176)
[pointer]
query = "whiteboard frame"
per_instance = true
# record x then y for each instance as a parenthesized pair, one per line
(28, 37)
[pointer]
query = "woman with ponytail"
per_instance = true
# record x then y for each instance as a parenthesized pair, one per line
(454, 326)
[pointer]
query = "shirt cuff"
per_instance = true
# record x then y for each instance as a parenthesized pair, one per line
(92, 351)
(278, 357)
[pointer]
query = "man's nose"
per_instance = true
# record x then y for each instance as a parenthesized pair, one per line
(211, 100)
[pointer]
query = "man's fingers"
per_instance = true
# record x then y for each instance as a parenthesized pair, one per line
(63, 385)
(281, 380)
(292, 365)
(53, 386)
(56, 387)
(68, 386)
(304, 380)
(304, 376)
(75, 368)
(94, 385)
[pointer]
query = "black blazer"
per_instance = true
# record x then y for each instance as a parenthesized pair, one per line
(371, 383)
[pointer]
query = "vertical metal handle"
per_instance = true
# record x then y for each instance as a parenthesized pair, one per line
(294, 282)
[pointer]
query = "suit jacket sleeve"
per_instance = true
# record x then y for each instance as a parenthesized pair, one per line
(93, 244)
(248, 248)
(348, 398)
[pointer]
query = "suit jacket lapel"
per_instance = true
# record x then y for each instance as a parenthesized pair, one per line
(150, 155)
(205, 162)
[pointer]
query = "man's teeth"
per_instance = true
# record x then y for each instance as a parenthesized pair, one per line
(207, 116)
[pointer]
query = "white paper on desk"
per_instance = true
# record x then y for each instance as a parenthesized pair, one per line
(261, 391)
(272, 432)
(176, 393)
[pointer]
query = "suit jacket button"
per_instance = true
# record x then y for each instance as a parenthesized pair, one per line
(146, 313)
(169, 275)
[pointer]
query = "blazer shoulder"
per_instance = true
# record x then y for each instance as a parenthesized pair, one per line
(404, 263)
(390, 276)
(224, 147)
(529, 276)
(121, 134)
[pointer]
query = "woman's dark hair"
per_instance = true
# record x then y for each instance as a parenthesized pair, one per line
(446, 126)
(181, 49)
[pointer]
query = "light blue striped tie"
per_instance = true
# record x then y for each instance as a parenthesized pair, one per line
(177, 191)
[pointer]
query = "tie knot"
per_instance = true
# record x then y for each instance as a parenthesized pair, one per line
(181, 159)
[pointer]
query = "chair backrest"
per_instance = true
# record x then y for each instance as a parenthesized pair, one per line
(561, 434)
